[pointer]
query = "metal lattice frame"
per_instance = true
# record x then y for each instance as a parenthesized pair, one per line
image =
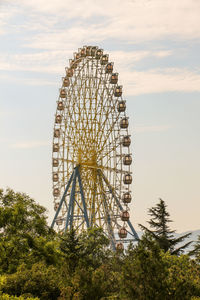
(88, 153)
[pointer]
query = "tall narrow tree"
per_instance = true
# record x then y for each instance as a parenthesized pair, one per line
(161, 232)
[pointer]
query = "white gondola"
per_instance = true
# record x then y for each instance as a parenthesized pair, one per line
(109, 68)
(121, 106)
(93, 51)
(126, 141)
(114, 78)
(62, 93)
(127, 179)
(56, 133)
(55, 147)
(124, 123)
(55, 177)
(55, 162)
(69, 72)
(125, 216)
(99, 53)
(126, 197)
(127, 160)
(122, 233)
(56, 192)
(118, 91)
(60, 105)
(104, 59)
(58, 119)
(66, 81)
(119, 246)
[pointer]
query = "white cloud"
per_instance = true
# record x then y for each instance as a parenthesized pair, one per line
(160, 80)
(56, 60)
(134, 82)
(48, 61)
(126, 60)
(60, 27)
(5, 15)
(152, 128)
(29, 144)
(163, 53)
(67, 24)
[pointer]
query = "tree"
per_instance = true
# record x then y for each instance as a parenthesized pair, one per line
(183, 276)
(7, 297)
(162, 233)
(24, 233)
(196, 250)
(90, 248)
(150, 273)
(71, 250)
(85, 269)
(143, 274)
(39, 281)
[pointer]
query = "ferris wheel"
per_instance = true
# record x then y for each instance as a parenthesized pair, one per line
(91, 150)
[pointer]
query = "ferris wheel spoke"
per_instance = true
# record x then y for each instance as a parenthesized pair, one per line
(107, 211)
(101, 148)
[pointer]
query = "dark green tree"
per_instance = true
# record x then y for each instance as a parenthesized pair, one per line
(150, 273)
(71, 249)
(86, 271)
(161, 232)
(143, 275)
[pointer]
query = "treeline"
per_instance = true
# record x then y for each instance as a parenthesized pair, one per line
(38, 263)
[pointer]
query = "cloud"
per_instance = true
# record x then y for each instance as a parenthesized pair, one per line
(30, 144)
(163, 53)
(53, 30)
(48, 61)
(54, 61)
(126, 60)
(134, 82)
(152, 128)
(159, 81)
(5, 15)
(60, 24)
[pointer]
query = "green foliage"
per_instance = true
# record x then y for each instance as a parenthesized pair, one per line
(20, 214)
(162, 233)
(84, 264)
(151, 273)
(40, 280)
(183, 276)
(24, 234)
(7, 297)
(37, 263)
(143, 273)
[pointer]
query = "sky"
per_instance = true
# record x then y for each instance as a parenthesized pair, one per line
(155, 47)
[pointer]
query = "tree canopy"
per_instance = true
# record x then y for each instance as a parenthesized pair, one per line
(38, 263)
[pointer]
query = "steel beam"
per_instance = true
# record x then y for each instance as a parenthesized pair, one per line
(119, 204)
(83, 199)
(62, 200)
